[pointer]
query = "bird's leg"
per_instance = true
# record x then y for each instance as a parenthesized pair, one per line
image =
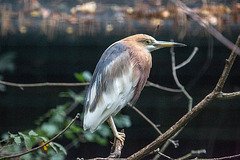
(119, 135)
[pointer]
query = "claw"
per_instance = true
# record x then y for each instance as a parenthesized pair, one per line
(121, 137)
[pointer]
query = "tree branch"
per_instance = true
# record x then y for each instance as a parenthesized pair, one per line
(48, 84)
(193, 153)
(221, 158)
(206, 26)
(232, 95)
(190, 115)
(152, 124)
(21, 86)
(187, 60)
(148, 84)
(174, 73)
(227, 68)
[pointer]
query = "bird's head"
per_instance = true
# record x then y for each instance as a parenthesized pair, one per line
(149, 43)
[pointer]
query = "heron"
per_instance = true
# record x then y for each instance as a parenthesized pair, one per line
(119, 78)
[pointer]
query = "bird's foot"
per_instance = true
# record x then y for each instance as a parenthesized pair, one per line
(121, 137)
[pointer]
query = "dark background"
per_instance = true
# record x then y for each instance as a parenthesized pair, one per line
(43, 59)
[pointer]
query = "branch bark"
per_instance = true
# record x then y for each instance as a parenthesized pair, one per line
(229, 95)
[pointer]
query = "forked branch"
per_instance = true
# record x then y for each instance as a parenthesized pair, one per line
(190, 115)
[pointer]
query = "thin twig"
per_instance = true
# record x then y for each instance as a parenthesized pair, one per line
(164, 147)
(45, 84)
(193, 153)
(146, 118)
(156, 29)
(21, 86)
(151, 123)
(221, 158)
(162, 87)
(187, 60)
(38, 147)
(162, 154)
(177, 81)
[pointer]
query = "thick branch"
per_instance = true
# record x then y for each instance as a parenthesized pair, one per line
(174, 129)
(227, 68)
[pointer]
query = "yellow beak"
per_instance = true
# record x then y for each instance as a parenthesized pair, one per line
(162, 44)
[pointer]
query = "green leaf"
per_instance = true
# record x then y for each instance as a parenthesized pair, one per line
(58, 156)
(70, 135)
(17, 140)
(76, 129)
(79, 77)
(89, 136)
(101, 141)
(87, 75)
(104, 130)
(73, 95)
(28, 156)
(61, 148)
(27, 141)
(53, 147)
(79, 98)
(84, 76)
(32, 133)
(50, 129)
(57, 118)
(44, 139)
(122, 121)
(11, 137)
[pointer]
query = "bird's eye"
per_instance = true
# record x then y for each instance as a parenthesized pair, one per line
(148, 41)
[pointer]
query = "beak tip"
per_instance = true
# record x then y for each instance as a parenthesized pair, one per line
(179, 45)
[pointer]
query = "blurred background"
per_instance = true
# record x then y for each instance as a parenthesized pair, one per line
(61, 41)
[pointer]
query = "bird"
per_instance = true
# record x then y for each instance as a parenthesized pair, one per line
(118, 79)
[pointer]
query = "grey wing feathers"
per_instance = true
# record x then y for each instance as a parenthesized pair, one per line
(109, 55)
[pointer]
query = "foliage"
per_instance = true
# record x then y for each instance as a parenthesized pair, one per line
(53, 122)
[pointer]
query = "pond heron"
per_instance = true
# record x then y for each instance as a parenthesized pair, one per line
(119, 78)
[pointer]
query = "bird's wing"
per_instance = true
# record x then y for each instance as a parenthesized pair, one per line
(112, 86)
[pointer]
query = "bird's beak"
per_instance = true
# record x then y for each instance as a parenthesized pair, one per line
(162, 44)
